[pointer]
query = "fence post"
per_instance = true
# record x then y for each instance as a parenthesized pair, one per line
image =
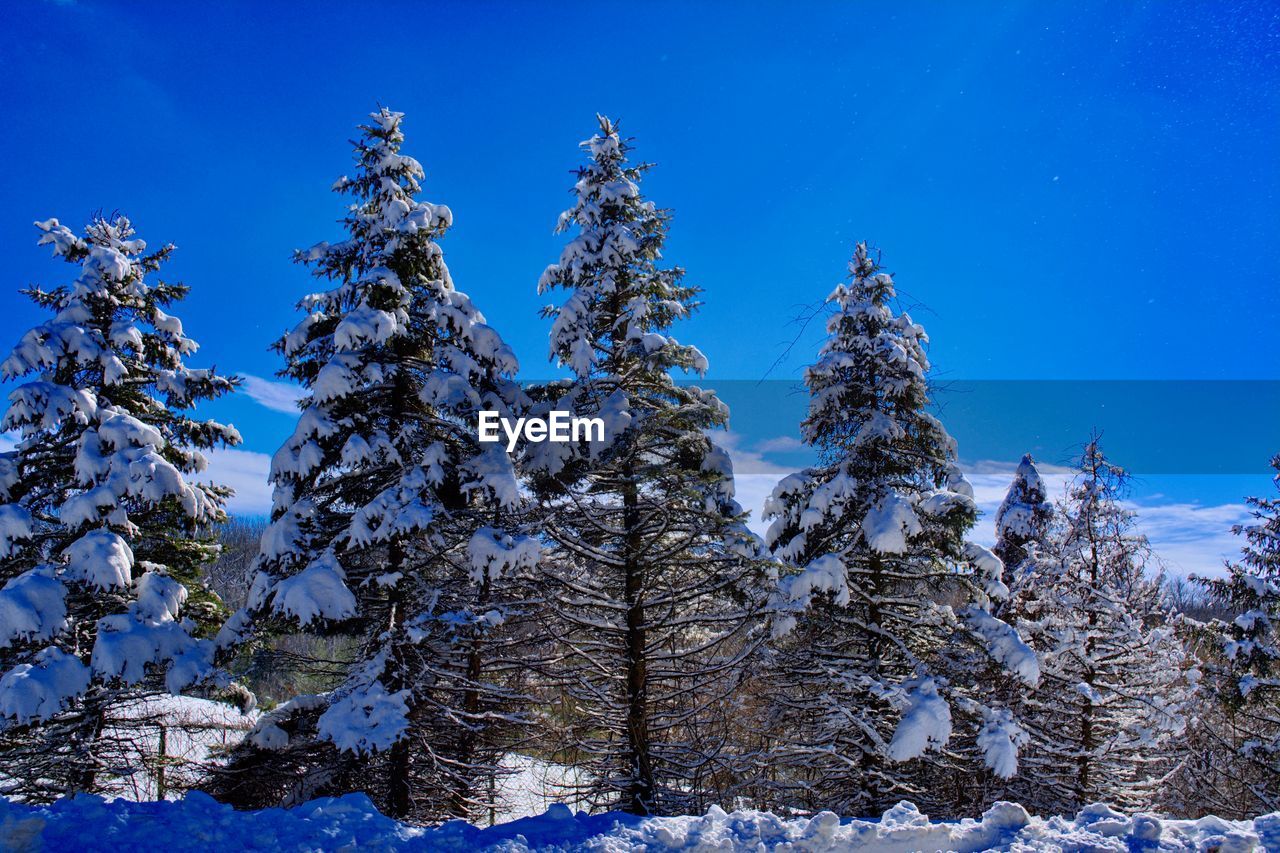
(160, 791)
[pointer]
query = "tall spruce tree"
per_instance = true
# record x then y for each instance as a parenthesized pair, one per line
(393, 526)
(1105, 721)
(101, 542)
(653, 580)
(890, 603)
(1233, 766)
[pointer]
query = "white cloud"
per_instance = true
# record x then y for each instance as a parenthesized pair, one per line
(751, 490)
(246, 472)
(1187, 537)
(780, 444)
(753, 476)
(276, 396)
(1192, 538)
(748, 461)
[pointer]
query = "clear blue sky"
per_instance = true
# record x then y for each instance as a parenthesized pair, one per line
(1081, 191)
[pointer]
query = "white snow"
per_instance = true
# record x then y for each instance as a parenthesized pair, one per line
(492, 472)
(267, 733)
(15, 527)
(351, 822)
(890, 523)
(128, 643)
(795, 592)
(1004, 645)
(825, 574)
(367, 719)
(38, 690)
(317, 592)
(1000, 739)
(925, 726)
(990, 570)
(494, 554)
(102, 559)
(32, 606)
(531, 785)
(365, 325)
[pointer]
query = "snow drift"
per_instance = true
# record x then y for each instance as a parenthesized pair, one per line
(88, 823)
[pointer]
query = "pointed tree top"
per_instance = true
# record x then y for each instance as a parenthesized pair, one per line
(862, 264)
(1027, 476)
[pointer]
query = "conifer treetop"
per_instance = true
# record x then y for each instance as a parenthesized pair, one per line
(1024, 515)
(889, 473)
(1026, 495)
(394, 317)
(868, 387)
(613, 330)
(622, 302)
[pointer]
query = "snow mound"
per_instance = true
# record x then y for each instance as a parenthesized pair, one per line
(91, 823)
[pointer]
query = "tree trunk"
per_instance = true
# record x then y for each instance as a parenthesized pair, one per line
(85, 777)
(469, 741)
(1087, 737)
(871, 758)
(638, 797)
(399, 800)
(162, 755)
(398, 781)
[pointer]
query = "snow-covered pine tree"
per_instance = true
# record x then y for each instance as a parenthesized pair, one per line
(1233, 766)
(102, 537)
(1105, 722)
(392, 524)
(1023, 517)
(1021, 523)
(889, 601)
(654, 582)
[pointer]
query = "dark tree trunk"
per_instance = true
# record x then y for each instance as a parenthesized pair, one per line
(469, 742)
(638, 797)
(85, 777)
(399, 793)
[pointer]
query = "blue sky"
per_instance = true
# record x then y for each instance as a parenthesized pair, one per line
(1065, 191)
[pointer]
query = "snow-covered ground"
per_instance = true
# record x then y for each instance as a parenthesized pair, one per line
(181, 734)
(535, 786)
(539, 815)
(198, 823)
(165, 742)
